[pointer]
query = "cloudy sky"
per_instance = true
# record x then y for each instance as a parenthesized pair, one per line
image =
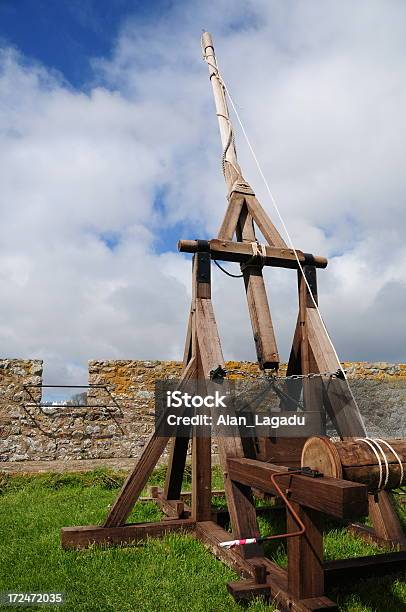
(109, 153)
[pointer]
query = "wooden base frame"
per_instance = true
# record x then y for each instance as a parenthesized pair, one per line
(302, 586)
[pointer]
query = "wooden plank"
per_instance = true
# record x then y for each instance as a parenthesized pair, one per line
(137, 480)
(305, 554)
(83, 537)
(261, 218)
(350, 570)
(332, 496)
(258, 307)
(229, 223)
(240, 252)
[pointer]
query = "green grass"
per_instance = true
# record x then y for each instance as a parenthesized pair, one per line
(172, 574)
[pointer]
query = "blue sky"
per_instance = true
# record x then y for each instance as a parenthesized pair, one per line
(109, 153)
(66, 34)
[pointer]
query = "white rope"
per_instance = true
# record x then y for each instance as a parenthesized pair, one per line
(379, 447)
(368, 441)
(290, 241)
(392, 450)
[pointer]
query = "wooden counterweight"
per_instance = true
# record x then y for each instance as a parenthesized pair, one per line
(355, 460)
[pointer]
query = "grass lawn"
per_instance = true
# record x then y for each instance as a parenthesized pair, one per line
(173, 574)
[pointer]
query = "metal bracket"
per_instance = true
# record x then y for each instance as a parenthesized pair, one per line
(203, 271)
(218, 373)
(306, 471)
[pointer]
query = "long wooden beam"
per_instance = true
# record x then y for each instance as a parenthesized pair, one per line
(332, 496)
(239, 499)
(257, 300)
(346, 570)
(83, 537)
(241, 252)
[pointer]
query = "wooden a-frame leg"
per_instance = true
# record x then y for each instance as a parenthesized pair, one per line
(201, 463)
(385, 519)
(312, 389)
(138, 478)
(176, 468)
(239, 499)
(179, 445)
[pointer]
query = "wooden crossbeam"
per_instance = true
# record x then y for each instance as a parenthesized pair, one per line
(241, 252)
(332, 496)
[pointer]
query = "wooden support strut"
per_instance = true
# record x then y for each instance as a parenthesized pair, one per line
(258, 307)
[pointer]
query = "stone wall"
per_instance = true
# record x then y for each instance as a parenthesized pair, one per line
(118, 416)
(19, 437)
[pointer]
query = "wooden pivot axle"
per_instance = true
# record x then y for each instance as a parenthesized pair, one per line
(241, 252)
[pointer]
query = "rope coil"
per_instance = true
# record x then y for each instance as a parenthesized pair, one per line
(375, 445)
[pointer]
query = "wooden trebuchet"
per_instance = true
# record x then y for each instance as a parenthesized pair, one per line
(350, 467)
(378, 464)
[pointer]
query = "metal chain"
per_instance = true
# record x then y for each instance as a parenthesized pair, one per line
(337, 374)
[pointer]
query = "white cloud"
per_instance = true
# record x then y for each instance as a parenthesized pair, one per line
(322, 89)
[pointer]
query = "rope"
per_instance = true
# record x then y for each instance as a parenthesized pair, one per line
(230, 139)
(392, 450)
(385, 461)
(273, 201)
(375, 441)
(369, 443)
(259, 253)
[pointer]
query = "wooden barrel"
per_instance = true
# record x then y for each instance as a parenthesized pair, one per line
(355, 460)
